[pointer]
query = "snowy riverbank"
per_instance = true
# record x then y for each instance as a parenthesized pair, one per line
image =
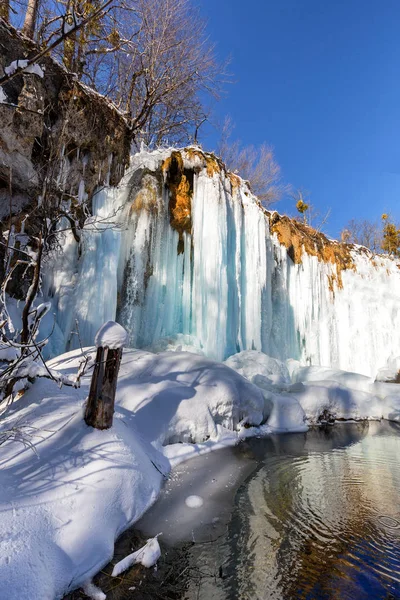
(64, 503)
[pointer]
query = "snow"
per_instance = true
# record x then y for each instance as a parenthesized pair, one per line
(71, 498)
(111, 335)
(83, 487)
(35, 70)
(194, 501)
(148, 555)
(93, 592)
(251, 363)
(337, 400)
(3, 96)
(287, 415)
(16, 64)
(8, 353)
(23, 65)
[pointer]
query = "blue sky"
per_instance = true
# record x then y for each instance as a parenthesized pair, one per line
(320, 81)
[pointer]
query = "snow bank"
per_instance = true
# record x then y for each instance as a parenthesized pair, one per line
(316, 394)
(331, 400)
(345, 378)
(63, 506)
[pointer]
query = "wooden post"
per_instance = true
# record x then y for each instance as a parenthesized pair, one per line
(100, 404)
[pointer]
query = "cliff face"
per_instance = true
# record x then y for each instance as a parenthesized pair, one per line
(195, 259)
(54, 122)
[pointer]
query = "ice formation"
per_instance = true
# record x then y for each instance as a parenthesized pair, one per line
(194, 257)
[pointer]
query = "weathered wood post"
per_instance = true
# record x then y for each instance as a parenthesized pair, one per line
(109, 340)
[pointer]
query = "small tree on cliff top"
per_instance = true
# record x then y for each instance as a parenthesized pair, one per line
(391, 236)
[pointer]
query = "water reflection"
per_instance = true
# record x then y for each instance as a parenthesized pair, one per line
(318, 519)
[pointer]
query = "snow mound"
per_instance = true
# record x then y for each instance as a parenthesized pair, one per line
(325, 400)
(251, 363)
(111, 335)
(287, 415)
(183, 397)
(344, 378)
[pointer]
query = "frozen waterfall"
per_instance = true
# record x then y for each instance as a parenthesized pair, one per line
(212, 274)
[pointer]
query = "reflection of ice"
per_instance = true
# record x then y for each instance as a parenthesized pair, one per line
(319, 518)
(313, 522)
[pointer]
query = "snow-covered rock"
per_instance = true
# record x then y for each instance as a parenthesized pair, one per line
(322, 400)
(324, 374)
(251, 363)
(287, 415)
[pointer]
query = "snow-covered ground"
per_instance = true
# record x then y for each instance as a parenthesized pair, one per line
(64, 502)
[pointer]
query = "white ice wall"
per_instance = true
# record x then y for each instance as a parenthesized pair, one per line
(233, 288)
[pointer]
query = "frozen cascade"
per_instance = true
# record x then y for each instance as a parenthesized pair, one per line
(84, 289)
(223, 279)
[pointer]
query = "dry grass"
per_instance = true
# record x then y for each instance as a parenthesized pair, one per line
(298, 238)
(167, 582)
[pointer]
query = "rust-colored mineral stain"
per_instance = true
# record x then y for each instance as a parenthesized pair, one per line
(180, 185)
(298, 237)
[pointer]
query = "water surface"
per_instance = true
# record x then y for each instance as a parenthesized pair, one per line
(313, 516)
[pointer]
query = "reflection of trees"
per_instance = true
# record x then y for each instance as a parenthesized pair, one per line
(308, 527)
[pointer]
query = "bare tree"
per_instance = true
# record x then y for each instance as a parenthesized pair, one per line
(30, 18)
(152, 58)
(169, 63)
(25, 246)
(257, 165)
(363, 232)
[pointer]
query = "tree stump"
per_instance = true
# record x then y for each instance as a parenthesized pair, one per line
(110, 340)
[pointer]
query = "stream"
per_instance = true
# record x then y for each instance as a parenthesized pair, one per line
(313, 515)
